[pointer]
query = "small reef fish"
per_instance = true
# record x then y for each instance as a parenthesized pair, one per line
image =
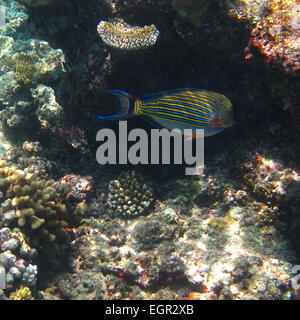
(179, 108)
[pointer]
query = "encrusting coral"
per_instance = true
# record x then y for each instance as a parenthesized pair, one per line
(117, 33)
(39, 209)
(129, 195)
(25, 66)
(276, 29)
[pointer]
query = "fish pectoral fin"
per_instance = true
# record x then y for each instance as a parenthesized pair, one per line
(151, 122)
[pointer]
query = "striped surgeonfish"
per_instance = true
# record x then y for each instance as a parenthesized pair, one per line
(179, 108)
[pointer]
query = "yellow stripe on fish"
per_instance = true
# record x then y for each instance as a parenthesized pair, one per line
(178, 103)
(174, 106)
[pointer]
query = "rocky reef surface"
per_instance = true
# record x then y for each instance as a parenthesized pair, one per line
(72, 229)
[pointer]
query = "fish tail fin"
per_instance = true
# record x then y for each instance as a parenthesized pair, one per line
(128, 105)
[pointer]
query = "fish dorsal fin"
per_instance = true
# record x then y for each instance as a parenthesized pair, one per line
(157, 96)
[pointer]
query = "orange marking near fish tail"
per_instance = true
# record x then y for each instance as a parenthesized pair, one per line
(194, 136)
(216, 123)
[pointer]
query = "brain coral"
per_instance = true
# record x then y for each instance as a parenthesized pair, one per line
(39, 211)
(117, 33)
(129, 195)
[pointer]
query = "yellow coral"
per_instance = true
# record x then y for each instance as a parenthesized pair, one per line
(117, 33)
(227, 222)
(39, 210)
(23, 293)
(81, 208)
(280, 4)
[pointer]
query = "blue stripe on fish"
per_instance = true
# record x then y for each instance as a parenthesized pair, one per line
(179, 108)
(182, 110)
(191, 107)
(162, 112)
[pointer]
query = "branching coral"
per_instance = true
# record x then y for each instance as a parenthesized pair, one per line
(23, 293)
(15, 258)
(117, 33)
(39, 209)
(129, 195)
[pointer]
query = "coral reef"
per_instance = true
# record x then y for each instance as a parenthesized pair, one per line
(16, 257)
(76, 189)
(27, 65)
(276, 30)
(23, 293)
(119, 34)
(24, 63)
(15, 17)
(232, 233)
(49, 112)
(75, 137)
(6, 43)
(269, 179)
(210, 260)
(207, 240)
(39, 210)
(129, 195)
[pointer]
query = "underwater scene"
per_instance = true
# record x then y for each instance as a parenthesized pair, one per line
(149, 150)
